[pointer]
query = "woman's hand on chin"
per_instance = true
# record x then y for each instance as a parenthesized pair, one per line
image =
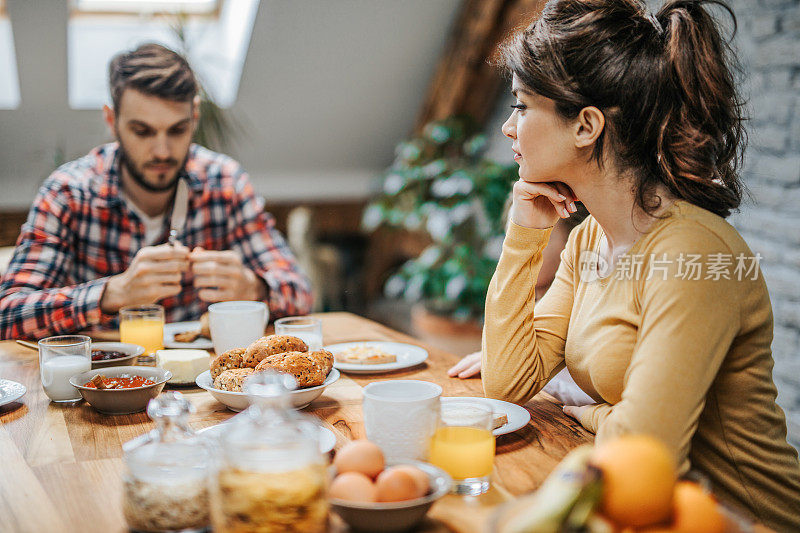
(540, 205)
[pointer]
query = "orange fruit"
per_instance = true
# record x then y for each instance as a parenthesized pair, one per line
(695, 511)
(639, 478)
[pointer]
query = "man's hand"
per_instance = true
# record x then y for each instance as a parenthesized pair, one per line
(221, 277)
(154, 274)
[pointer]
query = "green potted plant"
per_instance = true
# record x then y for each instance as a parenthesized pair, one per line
(216, 128)
(441, 184)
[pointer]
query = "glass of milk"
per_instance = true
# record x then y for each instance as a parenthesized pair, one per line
(60, 358)
(307, 328)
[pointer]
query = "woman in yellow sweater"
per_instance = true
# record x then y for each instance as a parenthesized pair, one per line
(658, 309)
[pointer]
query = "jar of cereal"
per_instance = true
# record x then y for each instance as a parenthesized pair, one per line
(166, 483)
(271, 475)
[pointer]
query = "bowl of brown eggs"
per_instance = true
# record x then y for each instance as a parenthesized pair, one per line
(371, 494)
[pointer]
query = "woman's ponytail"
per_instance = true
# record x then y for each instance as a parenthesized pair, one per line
(665, 84)
(701, 137)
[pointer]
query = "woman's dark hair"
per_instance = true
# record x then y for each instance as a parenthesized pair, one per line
(664, 82)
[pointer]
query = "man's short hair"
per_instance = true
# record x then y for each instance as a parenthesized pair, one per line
(154, 70)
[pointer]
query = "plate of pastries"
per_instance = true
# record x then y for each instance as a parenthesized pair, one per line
(312, 369)
(375, 357)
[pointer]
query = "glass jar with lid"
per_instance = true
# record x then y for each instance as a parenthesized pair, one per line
(271, 474)
(166, 483)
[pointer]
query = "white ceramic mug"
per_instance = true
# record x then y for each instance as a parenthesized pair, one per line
(401, 416)
(236, 324)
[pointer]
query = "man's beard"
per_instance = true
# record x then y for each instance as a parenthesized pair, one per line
(138, 177)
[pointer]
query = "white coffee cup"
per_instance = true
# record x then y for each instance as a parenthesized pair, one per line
(401, 416)
(236, 324)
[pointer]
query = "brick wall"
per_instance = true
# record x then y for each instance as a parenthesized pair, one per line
(769, 49)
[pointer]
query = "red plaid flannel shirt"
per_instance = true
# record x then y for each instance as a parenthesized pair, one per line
(80, 231)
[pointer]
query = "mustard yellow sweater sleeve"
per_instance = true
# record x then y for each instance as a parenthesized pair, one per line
(686, 330)
(522, 350)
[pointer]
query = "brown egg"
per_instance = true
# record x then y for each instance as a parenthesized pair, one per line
(396, 485)
(353, 487)
(420, 478)
(360, 456)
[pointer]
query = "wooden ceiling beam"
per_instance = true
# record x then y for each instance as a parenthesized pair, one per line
(465, 82)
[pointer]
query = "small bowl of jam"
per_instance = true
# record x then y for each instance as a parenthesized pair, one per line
(107, 354)
(120, 390)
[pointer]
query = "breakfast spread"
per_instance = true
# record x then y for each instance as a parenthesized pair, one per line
(365, 355)
(185, 364)
(282, 353)
(264, 476)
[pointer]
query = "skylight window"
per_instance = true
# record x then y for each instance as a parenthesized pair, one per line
(216, 43)
(9, 78)
(188, 7)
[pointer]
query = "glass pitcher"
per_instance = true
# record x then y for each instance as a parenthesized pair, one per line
(166, 483)
(270, 474)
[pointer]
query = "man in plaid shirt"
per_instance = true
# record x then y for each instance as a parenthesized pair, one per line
(95, 238)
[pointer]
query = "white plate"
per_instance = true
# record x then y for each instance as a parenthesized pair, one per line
(179, 327)
(517, 416)
(408, 355)
(11, 391)
(237, 401)
(327, 440)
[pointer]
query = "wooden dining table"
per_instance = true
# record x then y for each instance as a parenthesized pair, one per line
(61, 466)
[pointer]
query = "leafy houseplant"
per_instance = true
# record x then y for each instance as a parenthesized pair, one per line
(216, 128)
(441, 184)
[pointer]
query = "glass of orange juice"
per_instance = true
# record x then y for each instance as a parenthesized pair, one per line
(143, 325)
(463, 444)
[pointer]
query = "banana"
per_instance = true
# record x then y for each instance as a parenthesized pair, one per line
(565, 500)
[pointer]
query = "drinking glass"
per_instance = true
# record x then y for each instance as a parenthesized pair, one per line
(307, 328)
(143, 325)
(60, 358)
(463, 445)
(236, 324)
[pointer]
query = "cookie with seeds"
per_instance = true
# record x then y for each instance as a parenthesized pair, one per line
(232, 380)
(227, 361)
(271, 345)
(307, 370)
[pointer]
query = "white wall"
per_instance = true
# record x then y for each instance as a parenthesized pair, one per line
(328, 88)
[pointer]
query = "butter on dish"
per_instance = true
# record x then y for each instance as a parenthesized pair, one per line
(185, 364)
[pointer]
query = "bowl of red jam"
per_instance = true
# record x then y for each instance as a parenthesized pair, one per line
(122, 389)
(106, 354)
